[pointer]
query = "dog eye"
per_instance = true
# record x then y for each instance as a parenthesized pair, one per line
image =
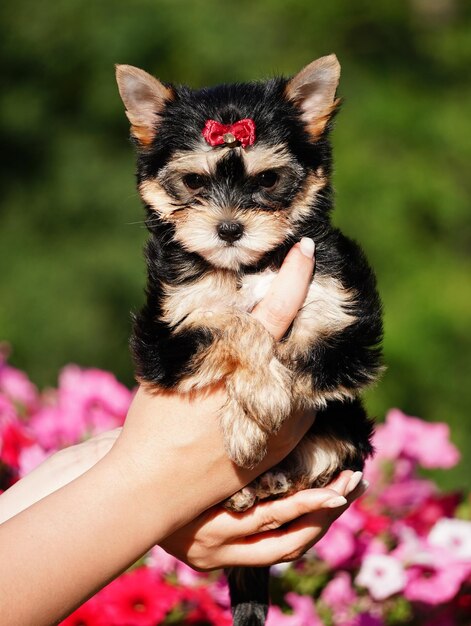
(267, 179)
(194, 181)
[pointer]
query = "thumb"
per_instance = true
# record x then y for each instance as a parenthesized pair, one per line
(288, 290)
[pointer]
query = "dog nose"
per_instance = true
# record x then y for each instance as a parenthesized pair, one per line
(230, 231)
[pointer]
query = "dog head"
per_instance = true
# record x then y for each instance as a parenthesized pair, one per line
(235, 170)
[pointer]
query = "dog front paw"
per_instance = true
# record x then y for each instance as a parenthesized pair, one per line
(245, 441)
(272, 484)
(241, 501)
(264, 392)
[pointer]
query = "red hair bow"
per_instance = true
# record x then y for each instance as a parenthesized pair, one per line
(217, 134)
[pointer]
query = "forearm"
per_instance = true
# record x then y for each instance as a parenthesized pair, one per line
(167, 466)
(63, 548)
(56, 471)
(72, 542)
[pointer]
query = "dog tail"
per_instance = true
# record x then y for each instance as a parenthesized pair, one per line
(248, 587)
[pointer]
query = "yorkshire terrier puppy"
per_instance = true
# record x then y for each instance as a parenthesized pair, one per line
(231, 177)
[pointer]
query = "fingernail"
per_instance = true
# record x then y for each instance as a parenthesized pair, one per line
(353, 483)
(307, 247)
(362, 487)
(333, 503)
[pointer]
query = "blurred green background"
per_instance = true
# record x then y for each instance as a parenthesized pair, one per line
(70, 221)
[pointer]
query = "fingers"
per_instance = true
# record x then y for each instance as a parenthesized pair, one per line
(292, 540)
(272, 514)
(283, 545)
(271, 532)
(288, 289)
(346, 482)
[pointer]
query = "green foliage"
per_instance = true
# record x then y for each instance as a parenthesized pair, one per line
(70, 231)
(400, 612)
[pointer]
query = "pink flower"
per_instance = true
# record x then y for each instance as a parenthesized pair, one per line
(92, 613)
(17, 386)
(139, 598)
(219, 591)
(304, 612)
(434, 575)
(340, 597)
(30, 457)
(427, 443)
(338, 594)
(454, 536)
(14, 435)
(87, 402)
(434, 583)
(304, 608)
(382, 574)
(407, 494)
(163, 563)
(56, 427)
(374, 521)
(203, 609)
(276, 617)
(337, 546)
(429, 512)
(353, 519)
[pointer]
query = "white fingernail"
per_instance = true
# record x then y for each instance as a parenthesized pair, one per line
(307, 247)
(333, 503)
(353, 482)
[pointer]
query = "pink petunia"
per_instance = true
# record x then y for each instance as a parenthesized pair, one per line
(304, 612)
(16, 385)
(163, 563)
(139, 598)
(56, 427)
(202, 608)
(92, 613)
(424, 442)
(423, 518)
(337, 546)
(407, 494)
(30, 457)
(454, 536)
(87, 402)
(434, 583)
(382, 574)
(276, 617)
(339, 594)
(14, 434)
(433, 575)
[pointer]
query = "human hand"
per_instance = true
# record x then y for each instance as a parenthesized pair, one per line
(184, 428)
(276, 312)
(271, 532)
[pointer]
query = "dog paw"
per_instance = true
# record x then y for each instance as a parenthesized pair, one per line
(273, 483)
(264, 393)
(245, 441)
(247, 452)
(241, 501)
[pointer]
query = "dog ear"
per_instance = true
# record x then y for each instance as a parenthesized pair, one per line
(313, 91)
(144, 98)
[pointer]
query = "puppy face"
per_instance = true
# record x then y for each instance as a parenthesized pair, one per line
(232, 204)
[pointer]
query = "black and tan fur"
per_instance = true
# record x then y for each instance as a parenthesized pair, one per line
(196, 328)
